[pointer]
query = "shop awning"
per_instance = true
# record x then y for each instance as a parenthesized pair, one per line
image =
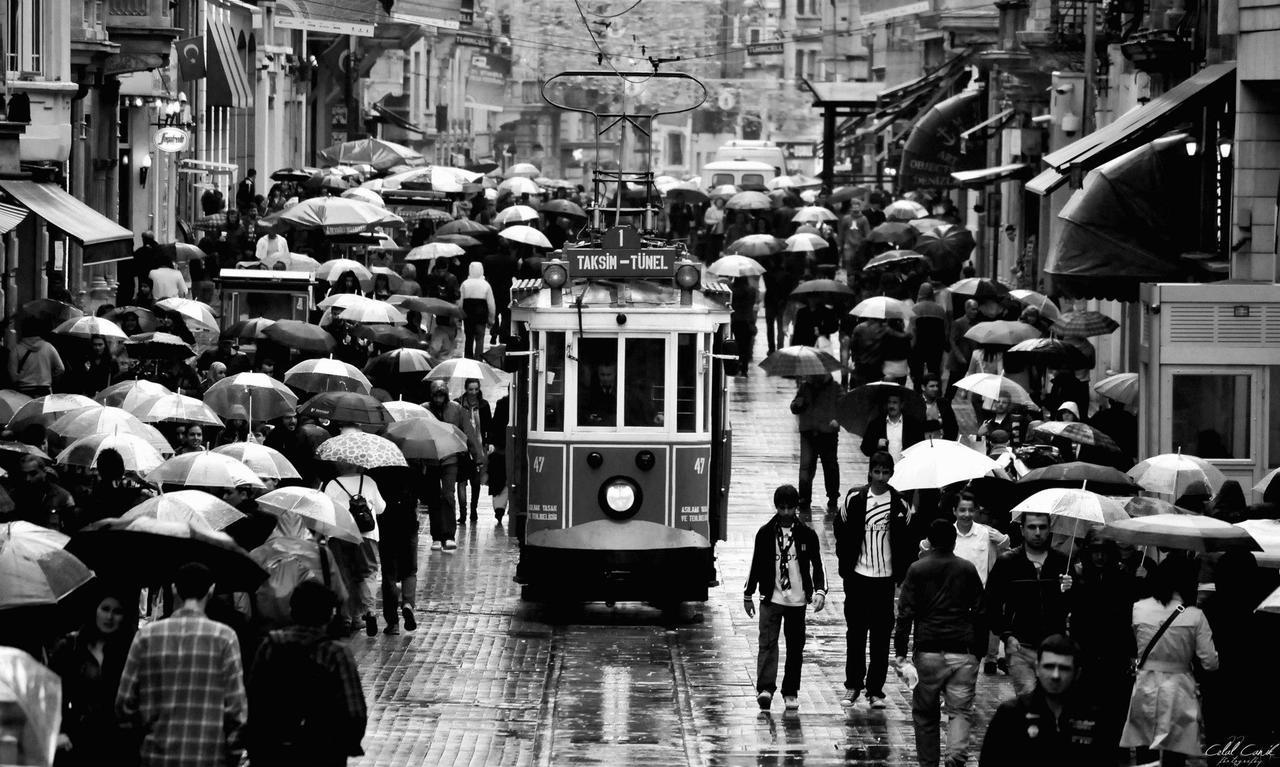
(1148, 122)
(853, 95)
(992, 174)
(928, 81)
(396, 120)
(933, 151)
(62, 211)
(1046, 182)
(10, 217)
(988, 126)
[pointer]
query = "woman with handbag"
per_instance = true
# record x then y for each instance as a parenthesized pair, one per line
(1164, 710)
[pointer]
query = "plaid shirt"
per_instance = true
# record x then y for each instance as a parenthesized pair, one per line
(184, 687)
(335, 658)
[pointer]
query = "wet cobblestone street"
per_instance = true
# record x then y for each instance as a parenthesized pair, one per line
(487, 679)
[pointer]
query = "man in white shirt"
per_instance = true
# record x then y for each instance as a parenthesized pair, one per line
(357, 563)
(272, 244)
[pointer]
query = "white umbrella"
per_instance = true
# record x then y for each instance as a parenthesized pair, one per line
(317, 511)
(525, 169)
(35, 568)
(518, 185)
(1172, 473)
(365, 195)
(102, 419)
(433, 250)
(265, 462)
(813, 214)
(749, 201)
(904, 210)
(137, 453)
(343, 300)
(176, 408)
(88, 327)
(192, 311)
(403, 411)
(373, 312)
(461, 369)
(993, 386)
(515, 214)
(1190, 532)
(734, 265)
(319, 375)
(183, 505)
(805, 242)
(1068, 507)
(936, 463)
(250, 396)
(204, 469)
(526, 235)
(130, 394)
(882, 308)
(332, 269)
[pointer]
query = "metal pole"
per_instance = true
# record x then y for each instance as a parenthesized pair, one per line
(1090, 66)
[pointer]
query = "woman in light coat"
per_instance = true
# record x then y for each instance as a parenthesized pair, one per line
(1164, 710)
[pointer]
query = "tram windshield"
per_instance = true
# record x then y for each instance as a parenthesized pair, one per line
(627, 376)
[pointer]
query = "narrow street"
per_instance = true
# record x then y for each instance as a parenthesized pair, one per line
(489, 680)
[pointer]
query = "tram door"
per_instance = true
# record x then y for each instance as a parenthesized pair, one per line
(1212, 413)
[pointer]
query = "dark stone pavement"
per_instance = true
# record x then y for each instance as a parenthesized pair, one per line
(489, 680)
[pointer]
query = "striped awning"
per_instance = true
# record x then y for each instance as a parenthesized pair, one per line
(10, 217)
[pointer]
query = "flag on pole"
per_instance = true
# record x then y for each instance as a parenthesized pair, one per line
(191, 58)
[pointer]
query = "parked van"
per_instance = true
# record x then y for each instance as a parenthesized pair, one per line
(766, 152)
(744, 174)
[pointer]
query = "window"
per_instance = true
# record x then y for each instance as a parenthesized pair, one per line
(598, 382)
(24, 43)
(675, 149)
(645, 381)
(752, 181)
(1273, 417)
(1210, 416)
(687, 382)
(720, 179)
(553, 414)
(754, 35)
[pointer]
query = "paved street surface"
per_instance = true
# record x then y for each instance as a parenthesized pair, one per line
(489, 680)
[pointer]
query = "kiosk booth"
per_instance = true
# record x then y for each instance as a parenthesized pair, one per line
(272, 295)
(1209, 365)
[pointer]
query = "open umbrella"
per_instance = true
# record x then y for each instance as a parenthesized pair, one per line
(346, 407)
(130, 394)
(295, 334)
(526, 235)
(1038, 301)
(51, 311)
(334, 268)
(403, 411)
(948, 247)
(735, 266)
(317, 511)
(798, 362)
(427, 438)
(138, 454)
(338, 215)
(256, 395)
(1080, 433)
(894, 233)
(1072, 511)
(979, 288)
(263, 461)
(322, 375)
(364, 195)
(992, 386)
(1002, 332)
(433, 306)
(855, 408)
(47, 409)
(749, 201)
(563, 208)
(88, 327)
(724, 191)
(1100, 479)
(894, 258)
(688, 193)
(1171, 473)
(196, 314)
(37, 693)
(398, 362)
(158, 346)
(1189, 532)
(465, 226)
(372, 312)
(755, 245)
(881, 308)
(35, 568)
(11, 402)
(250, 330)
(1084, 324)
(204, 469)
(823, 290)
(904, 210)
(461, 240)
(936, 463)
(519, 185)
(1050, 352)
(461, 369)
(182, 505)
(145, 550)
(101, 419)
(525, 169)
(805, 243)
(366, 451)
(291, 174)
(1121, 387)
(433, 250)
(372, 151)
(814, 214)
(515, 214)
(146, 319)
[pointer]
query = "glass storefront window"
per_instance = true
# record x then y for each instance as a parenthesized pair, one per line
(1273, 417)
(1210, 415)
(687, 382)
(553, 375)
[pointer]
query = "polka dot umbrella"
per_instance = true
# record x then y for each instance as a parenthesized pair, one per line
(366, 451)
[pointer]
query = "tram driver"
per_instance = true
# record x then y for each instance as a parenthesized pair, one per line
(598, 399)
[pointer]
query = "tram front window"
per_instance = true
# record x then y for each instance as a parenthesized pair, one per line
(637, 384)
(646, 375)
(598, 382)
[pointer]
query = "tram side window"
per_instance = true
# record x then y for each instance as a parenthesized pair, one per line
(687, 383)
(598, 382)
(553, 415)
(645, 387)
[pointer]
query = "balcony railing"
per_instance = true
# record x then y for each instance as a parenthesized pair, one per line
(129, 7)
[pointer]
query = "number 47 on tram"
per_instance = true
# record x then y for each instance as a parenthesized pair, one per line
(620, 439)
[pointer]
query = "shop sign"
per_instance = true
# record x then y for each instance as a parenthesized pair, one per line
(171, 139)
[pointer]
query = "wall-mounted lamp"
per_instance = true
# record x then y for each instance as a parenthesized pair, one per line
(144, 167)
(1224, 147)
(1192, 146)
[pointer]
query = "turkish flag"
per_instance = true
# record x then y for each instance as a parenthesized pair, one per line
(191, 58)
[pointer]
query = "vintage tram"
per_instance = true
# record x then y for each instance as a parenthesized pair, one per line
(619, 447)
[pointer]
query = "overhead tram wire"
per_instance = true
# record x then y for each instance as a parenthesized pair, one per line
(629, 9)
(604, 57)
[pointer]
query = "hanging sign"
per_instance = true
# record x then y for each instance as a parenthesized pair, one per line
(171, 139)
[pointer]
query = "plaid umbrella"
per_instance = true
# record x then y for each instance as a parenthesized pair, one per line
(798, 362)
(212, 222)
(366, 451)
(1084, 324)
(327, 375)
(263, 461)
(1121, 387)
(35, 568)
(427, 438)
(204, 469)
(1190, 532)
(182, 505)
(299, 335)
(1081, 433)
(347, 407)
(317, 511)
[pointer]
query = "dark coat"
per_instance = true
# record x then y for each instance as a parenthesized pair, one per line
(1024, 604)
(763, 558)
(912, 432)
(850, 531)
(1025, 733)
(950, 427)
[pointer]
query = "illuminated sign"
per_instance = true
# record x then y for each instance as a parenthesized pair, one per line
(622, 255)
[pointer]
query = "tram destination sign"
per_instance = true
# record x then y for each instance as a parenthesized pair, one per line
(621, 255)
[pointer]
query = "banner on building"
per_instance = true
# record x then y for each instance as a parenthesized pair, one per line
(934, 149)
(191, 58)
(873, 11)
(228, 53)
(486, 82)
(340, 17)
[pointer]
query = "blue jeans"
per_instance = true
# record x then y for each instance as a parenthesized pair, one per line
(953, 676)
(791, 621)
(818, 446)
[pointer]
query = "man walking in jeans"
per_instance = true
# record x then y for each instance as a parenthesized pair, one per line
(875, 548)
(787, 567)
(942, 597)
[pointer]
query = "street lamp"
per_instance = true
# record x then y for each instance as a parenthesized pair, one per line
(1224, 147)
(1192, 146)
(144, 167)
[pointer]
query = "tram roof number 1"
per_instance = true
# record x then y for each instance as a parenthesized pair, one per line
(621, 255)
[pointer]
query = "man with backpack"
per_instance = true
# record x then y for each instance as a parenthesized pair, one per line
(358, 563)
(309, 708)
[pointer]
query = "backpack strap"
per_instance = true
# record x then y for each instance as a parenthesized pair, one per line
(1159, 633)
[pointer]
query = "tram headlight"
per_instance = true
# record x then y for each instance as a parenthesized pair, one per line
(555, 274)
(620, 498)
(645, 460)
(688, 275)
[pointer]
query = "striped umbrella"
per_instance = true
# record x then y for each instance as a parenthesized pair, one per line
(183, 505)
(35, 568)
(799, 362)
(1189, 532)
(138, 454)
(176, 408)
(316, 510)
(1084, 324)
(1080, 433)
(399, 361)
(265, 462)
(204, 469)
(47, 409)
(321, 375)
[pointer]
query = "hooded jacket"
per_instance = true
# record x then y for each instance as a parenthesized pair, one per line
(477, 295)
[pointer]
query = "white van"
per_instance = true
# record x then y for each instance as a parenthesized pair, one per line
(766, 152)
(744, 174)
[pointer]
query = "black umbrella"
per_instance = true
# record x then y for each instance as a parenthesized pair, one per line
(464, 226)
(947, 247)
(980, 288)
(347, 407)
(48, 310)
(145, 551)
(856, 408)
(461, 240)
(291, 174)
(895, 233)
(1103, 480)
(823, 290)
(158, 346)
(563, 208)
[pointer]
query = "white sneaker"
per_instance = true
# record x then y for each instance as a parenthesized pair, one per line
(450, 546)
(435, 545)
(792, 702)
